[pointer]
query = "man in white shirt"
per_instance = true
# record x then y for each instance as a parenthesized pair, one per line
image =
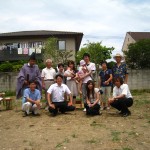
(48, 75)
(122, 98)
(56, 95)
(88, 76)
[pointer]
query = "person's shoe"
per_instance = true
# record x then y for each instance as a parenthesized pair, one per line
(120, 113)
(102, 108)
(25, 114)
(108, 108)
(84, 109)
(46, 108)
(126, 114)
(105, 108)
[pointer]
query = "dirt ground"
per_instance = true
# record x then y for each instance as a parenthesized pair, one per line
(76, 131)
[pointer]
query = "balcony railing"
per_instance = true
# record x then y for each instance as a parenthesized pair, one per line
(12, 55)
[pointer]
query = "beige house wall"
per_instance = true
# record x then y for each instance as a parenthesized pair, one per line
(128, 40)
(70, 43)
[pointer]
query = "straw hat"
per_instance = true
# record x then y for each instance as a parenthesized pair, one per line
(118, 55)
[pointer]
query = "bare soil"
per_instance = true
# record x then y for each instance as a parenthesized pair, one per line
(76, 131)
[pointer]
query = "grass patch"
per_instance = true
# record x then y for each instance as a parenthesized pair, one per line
(95, 124)
(59, 145)
(92, 141)
(140, 102)
(126, 148)
(74, 136)
(115, 135)
(133, 133)
(139, 92)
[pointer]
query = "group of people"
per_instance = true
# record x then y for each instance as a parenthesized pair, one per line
(62, 86)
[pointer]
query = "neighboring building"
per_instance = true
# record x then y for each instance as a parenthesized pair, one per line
(132, 37)
(18, 45)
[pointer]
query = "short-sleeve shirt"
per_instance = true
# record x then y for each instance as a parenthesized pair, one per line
(92, 100)
(48, 73)
(90, 67)
(34, 95)
(58, 92)
(123, 89)
(105, 75)
(120, 71)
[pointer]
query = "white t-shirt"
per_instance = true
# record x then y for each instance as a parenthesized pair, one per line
(58, 92)
(90, 67)
(92, 100)
(123, 89)
(48, 73)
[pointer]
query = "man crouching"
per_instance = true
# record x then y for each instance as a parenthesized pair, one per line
(56, 96)
(31, 99)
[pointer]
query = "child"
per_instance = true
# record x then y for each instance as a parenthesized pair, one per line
(82, 71)
(105, 84)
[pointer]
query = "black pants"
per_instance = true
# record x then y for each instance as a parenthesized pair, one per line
(92, 110)
(122, 104)
(61, 107)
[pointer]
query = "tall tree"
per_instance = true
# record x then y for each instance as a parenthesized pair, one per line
(138, 55)
(97, 52)
(51, 51)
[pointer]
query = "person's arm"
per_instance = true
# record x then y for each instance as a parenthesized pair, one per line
(86, 74)
(43, 84)
(68, 92)
(122, 95)
(111, 100)
(70, 100)
(107, 81)
(37, 102)
(50, 101)
(97, 99)
(49, 92)
(68, 74)
(126, 79)
(99, 83)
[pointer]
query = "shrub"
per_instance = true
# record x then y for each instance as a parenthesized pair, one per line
(6, 67)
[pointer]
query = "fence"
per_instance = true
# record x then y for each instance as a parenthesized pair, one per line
(138, 79)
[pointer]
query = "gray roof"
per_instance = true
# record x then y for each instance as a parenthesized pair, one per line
(139, 35)
(38, 32)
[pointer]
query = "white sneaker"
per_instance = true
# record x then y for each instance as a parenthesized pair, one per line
(46, 108)
(102, 108)
(108, 108)
(84, 109)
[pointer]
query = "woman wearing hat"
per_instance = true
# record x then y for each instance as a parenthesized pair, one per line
(120, 69)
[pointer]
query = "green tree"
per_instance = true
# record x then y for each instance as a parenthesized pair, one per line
(138, 55)
(97, 52)
(51, 51)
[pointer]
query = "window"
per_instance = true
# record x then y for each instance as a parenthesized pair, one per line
(62, 45)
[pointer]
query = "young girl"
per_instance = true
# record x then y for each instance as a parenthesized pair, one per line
(71, 75)
(93, 99)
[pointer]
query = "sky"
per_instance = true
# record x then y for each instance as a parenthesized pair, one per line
(105, 21)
